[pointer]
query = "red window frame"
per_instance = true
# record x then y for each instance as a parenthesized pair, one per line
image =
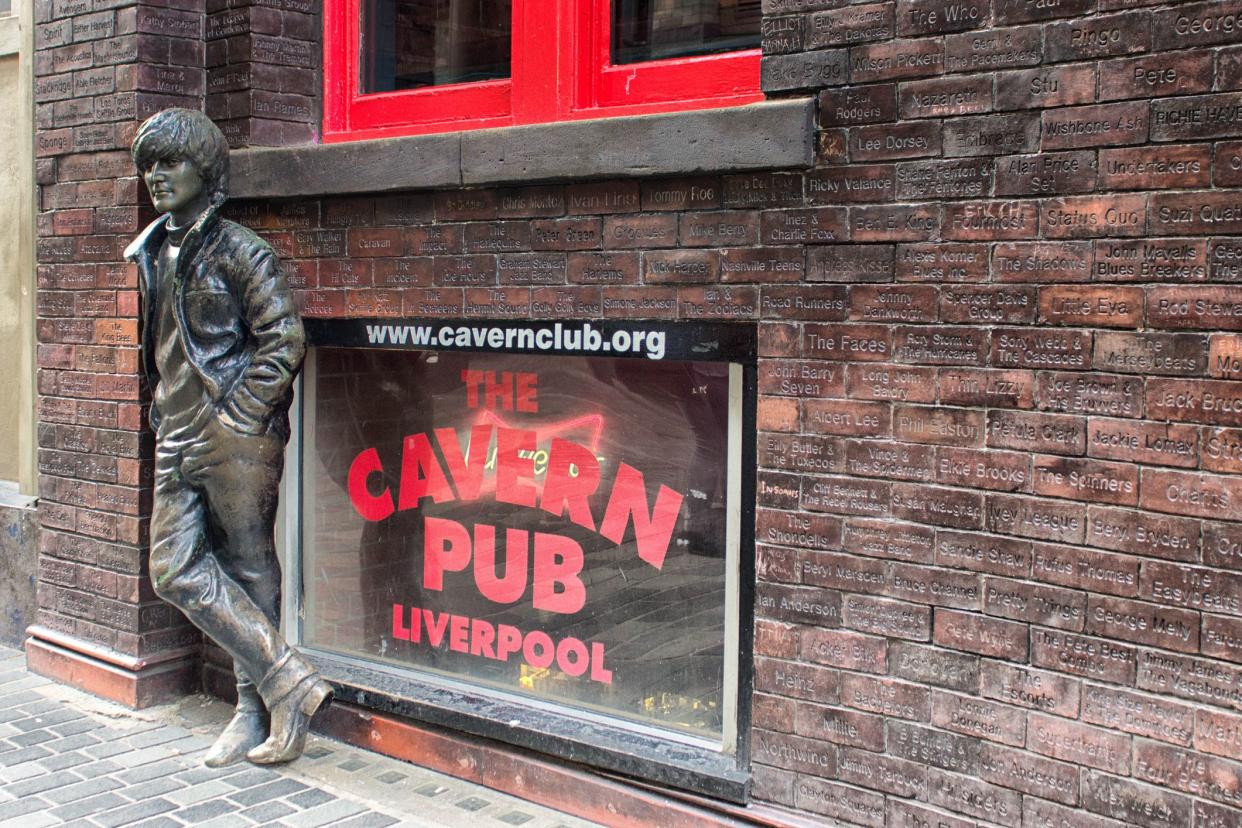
(561, 71)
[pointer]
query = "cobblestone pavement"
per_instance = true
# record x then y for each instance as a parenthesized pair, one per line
(68, 758)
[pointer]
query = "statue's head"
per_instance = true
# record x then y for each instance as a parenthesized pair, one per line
(183, 156)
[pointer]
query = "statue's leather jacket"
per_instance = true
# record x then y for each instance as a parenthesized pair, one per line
(236, 318)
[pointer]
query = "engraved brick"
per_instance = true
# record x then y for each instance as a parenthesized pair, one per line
(760, 190)
(1041, 348)
(804, 70)
(565, 234)
(1036, 432)
(1219, 733)
(902, 814)
(889, 539)
(845, 496)
(986, 636)
(869, 343)
(1195, 213)
(1034, 689)
(1093, 37)
(1222, 449)
(801, 378)
(1187, 493)
(1034, 604)
(604, 197)
(893, 303)
(892, 619)
(1225, 260)
(602, 268)
(1157, 443)
(1135, 803)
(1151, 353)
(1046, 173)
(970, 178)
(935, 666)
(428, 239)
(1222, 545)
(943, 426)
(1228, 172)
(1093, 126)
(862, 105)
(1045, 87)
(1007, 305)
(940, 345)
(1197, 117)
(1083, 479)
(927, 585)
(850, 263)
(871, 458)
(1206, 776)
(978, 718)
(1193, 587)
(936, 748)
(819, 225)
(870, 381)
(1222, 638)
(1208, 815)
(1024, 11)
(989, 220)
(1139, 714)
(882, 772)
(943, 97)
(531, 201)
(891, 141)
(893, 59)
(1156, 76)
(1143, 623)
(1013, 132)
(681, 194)
(802, 453)
(832, 724)
(1094, 658)
(839, 801)
(680, 266)
(841, 648)
(798, 605)
(1022, 771)
(994, 49)
(1099, 306)
(836, 185)
(855, 24)
(802, 681)
(794, 753)
(987, 387)
(1106, 394)
(983, 553)
(969, 795)
(1034, 518)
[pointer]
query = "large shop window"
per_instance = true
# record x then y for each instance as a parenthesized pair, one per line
(404, 67)
(555, 533)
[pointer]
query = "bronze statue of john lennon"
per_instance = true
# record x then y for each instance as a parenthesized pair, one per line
(221, 344)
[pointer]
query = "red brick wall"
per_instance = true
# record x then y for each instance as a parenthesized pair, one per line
(1000, 556)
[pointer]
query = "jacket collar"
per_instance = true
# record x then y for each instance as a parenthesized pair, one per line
(150, 239)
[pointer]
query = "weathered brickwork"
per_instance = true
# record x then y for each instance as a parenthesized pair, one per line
(999, 518)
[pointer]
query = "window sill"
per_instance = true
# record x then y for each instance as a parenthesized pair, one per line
(769, 135)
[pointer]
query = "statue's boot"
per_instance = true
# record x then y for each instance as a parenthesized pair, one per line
(244, 732)
(293, 691)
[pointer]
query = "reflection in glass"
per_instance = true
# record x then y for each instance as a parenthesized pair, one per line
(655, 29)
(408, 44)
(653, 636)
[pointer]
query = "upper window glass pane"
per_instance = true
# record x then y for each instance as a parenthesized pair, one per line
(410, 44)
(645, 30)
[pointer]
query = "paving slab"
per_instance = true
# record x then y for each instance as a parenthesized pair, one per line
(69, 758)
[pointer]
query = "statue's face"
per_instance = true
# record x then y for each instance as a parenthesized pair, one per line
(175, 185)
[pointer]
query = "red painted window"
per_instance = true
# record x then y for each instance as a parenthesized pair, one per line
(405, 67)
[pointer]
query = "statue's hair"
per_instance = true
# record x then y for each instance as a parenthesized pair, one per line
(189, 134)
